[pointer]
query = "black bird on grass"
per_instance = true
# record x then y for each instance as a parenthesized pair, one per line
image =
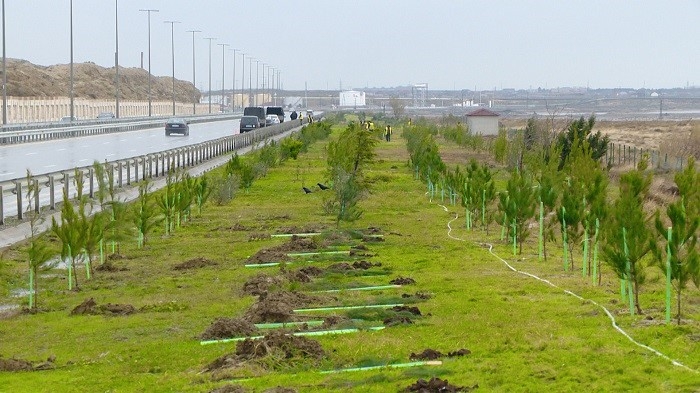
(306, 190)
(323, 187)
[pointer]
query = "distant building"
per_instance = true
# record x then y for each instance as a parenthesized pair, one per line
(483, 121)
(352, 98)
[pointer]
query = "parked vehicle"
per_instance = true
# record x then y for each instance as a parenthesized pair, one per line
(68, 119)
(249, 123)
(271, 120)
(176, 125)
(106, 115)
(256, 111)
(276, 110)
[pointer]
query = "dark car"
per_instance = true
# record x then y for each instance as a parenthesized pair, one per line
(249, 123)
(177, 125)
(276, 110)
(256, 111)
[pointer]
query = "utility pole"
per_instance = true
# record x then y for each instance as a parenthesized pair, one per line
(257, 81)
(210, 39)
(233, 81)
(116, 54)
(72, 100)
(250, 81)
(172, 50)
(4, 69)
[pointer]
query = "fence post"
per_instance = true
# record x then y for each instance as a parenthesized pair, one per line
(18, 189)
(2, 208)
(36, 195)
(91, 173)
(128, 172)
(52, 191)
(155, 158)
(66, 184)
(143, 168)
(635, 156)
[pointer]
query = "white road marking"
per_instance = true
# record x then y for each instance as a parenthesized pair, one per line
(31, 153)
(62, 149)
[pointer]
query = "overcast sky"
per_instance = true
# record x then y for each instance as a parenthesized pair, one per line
(457, 44)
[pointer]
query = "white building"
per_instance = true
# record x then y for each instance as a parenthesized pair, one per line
(352, 98)
(483, 121)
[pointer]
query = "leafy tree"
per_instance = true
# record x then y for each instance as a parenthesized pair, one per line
(627, 236)
(500, 147)
(202, 191)
(682, 247)
(398, 107)
(576, 133)
(69, 233)
(290, 148)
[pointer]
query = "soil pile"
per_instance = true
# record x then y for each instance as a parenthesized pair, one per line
(311, 271)
(417, 295)
(194, 263)
(431, 354)
(268, 256)
(25, 79)
(261, 283)
(277, 307)
(90, 307)
(24, 365)
(410, 309)
(277, 347)
(335, 321)
(309, 228)
(223, 328)
(110, 267)
(297, 244)
(437, 385)
(403, 281)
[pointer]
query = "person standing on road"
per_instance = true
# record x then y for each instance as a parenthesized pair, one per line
(387, 133)
(294, 115)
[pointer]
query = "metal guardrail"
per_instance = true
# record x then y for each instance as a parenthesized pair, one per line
(126, 171)
(50, 131)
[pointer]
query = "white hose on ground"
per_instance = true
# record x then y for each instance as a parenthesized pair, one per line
(607, 312)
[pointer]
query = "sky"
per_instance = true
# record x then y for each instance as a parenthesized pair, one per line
(333, 44)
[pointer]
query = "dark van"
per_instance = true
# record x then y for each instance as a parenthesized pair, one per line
(276, 110)
(256, 111)
(249, 123)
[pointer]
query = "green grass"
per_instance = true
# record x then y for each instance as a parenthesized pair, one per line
(524, 336)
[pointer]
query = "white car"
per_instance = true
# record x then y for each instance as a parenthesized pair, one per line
(271, 120)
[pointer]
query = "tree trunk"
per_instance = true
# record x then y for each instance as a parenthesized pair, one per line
(679, 306)
(635, 288)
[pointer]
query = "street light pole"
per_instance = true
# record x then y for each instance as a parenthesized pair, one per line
(210, 39)
(233, 80)
(149, 59)
(72, 101)
(172, 49)
(4, 69)
(250, 81)
(257, 81)
(242, 78)
(194, 93)
(116, 54)
(223, 73)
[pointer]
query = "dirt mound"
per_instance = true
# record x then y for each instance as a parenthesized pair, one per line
(230, 389)
(261, 283)
(417, 295)
(431, 354)
(258, 236)
(311, 271)
(297, 276)
(340, 267)
(397, 320)
(268, 256)
(372, 239)
(364, 265)
(223, 328)
(116, 257)
(277, 307)
(89, 307)
(297, 244)
(411, 309)
(15, 365)
(335, 320)
(194, 263)
(309, 228)
(428, 354)
(278, 346)
(109, 266)
(280, 389)
(402, 281)
(436, 385)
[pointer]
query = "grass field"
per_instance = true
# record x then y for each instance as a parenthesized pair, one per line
(524, 335)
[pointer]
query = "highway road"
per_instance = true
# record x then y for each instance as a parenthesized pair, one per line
(62, 154)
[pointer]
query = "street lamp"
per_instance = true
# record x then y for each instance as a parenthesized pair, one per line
(250, 80)
(233, 80)
(257, 81)
(172, 49)
(4, 69)
(116, 53)
(194, 93)
(72, 101)
(223, 73)
(242, 78)
(210, 39)
(149, 59)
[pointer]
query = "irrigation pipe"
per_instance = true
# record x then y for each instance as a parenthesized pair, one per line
(347, 307)
(312, 333)
(568, 292)
(395, 365)
(376, 287)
